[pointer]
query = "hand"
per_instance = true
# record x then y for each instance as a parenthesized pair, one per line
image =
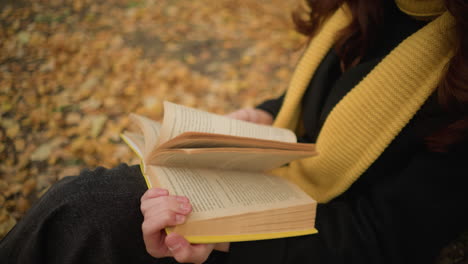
(161, 210)
(252, 115)
(184, 252)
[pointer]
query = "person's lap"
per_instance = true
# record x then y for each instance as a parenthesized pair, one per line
(91, 218)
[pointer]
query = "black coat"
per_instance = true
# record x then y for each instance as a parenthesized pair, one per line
(404, 208)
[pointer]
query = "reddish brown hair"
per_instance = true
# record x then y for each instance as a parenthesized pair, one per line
(354, 40)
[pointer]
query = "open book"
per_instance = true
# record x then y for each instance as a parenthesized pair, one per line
(221, 165)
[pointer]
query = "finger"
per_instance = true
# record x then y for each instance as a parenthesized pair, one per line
(184, 252)
(156, 222)
(224, 246)
(177, 204)
(261, 117)
(239, 114)
(159, 217)
(155, 244)
(159, 213)
(153, 193)
(153, 231)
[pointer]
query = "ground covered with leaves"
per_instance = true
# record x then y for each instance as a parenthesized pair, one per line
(72, 70)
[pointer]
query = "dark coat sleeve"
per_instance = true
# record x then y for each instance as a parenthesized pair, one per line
(404, 218)
(272, 106)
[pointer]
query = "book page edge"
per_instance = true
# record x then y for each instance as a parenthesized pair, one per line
(246, 237)
(142, 163)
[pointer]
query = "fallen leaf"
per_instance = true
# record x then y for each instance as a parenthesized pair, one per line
(23, 37)
(97, 124)
(43, 151)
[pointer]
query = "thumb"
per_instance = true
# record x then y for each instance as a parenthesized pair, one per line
(185, 252)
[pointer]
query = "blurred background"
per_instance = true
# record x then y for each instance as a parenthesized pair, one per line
(72, 70)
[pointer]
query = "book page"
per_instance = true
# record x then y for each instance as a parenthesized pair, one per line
(215, 193)
(240, 159)
(135, 141)
(179, 119)
(208, 140)
(150, 129)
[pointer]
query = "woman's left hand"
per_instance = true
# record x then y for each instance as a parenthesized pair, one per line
(184, 252)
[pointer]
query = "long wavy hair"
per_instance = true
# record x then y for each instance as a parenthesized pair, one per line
(354, 40)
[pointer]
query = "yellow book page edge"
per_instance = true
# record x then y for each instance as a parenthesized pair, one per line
(142, 164)
(246, 237)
